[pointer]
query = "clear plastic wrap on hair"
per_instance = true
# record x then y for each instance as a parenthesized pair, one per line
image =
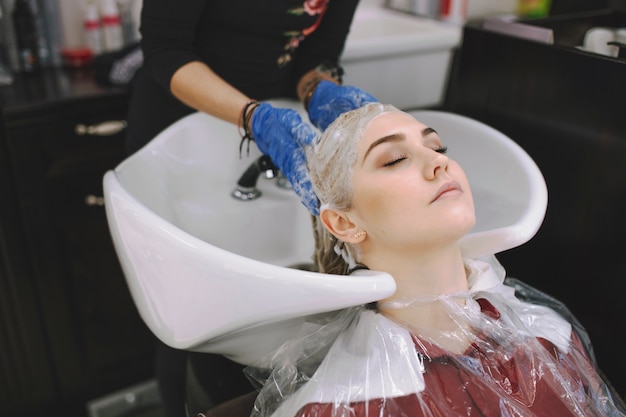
(490, 354)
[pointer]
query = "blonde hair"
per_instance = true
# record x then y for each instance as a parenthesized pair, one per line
(331, 161)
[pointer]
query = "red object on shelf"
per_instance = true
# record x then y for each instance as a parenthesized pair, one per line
(77, 57)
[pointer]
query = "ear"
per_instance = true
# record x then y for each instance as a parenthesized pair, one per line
(339, 224)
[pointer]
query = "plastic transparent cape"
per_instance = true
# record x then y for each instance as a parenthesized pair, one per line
(500, 356)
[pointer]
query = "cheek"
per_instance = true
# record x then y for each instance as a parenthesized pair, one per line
(381, 205)
(370, 199)
(463, 217)
(466, 211)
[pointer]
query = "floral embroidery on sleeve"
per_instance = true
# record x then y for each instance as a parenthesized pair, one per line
(312, 8)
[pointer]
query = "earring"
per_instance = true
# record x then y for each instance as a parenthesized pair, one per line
(359, 234)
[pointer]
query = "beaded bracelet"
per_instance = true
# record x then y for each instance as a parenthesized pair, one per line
(244, 123)
(309, 94)
(325, 71)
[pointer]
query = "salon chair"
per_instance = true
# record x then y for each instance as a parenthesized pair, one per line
(212, 274)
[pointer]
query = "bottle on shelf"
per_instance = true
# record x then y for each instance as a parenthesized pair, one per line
(93, 28)
(111, 25)
(129, 29)
(27, 35)
(533, 8)
(454, 11)
(52, 30)
(6, 76)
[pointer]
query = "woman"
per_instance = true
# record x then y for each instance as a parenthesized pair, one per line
(452, 340)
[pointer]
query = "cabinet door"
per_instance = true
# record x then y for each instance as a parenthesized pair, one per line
(25, 376)
(98, 343)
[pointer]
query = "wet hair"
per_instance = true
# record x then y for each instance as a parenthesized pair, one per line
(331, 161)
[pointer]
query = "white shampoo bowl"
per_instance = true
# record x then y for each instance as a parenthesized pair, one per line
(210, 273)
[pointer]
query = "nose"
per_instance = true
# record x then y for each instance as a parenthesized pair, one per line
(437, 163)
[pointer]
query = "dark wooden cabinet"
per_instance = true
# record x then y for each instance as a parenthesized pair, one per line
(69, 331)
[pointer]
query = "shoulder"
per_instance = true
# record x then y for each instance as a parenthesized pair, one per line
(371, 342)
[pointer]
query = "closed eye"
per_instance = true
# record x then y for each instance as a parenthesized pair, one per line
(441, 150)
(395, 161)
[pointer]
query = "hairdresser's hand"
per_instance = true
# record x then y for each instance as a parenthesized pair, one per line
(282, 135)
(329, 100)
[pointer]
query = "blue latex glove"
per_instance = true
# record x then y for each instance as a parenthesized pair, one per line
(282, 135)
(329, 100)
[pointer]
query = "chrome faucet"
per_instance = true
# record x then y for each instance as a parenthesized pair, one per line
(246, 186)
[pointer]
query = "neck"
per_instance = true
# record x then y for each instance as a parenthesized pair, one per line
(429, 274)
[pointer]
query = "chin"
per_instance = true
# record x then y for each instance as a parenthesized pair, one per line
(463, 215)
(470, 222)
(463, 224)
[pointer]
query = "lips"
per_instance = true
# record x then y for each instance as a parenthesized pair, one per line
(449, 189)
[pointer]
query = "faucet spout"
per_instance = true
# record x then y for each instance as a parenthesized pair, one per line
(246, 185)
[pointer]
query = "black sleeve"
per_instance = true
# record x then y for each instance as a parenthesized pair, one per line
(167, 36)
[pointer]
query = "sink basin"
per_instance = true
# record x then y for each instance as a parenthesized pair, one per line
(213, 274)
(202, 265)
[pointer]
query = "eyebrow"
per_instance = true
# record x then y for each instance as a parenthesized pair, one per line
(395, 137)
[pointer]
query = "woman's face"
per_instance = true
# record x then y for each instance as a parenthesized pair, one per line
(407, 192)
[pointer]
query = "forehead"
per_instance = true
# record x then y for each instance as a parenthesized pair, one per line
(390, 123)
